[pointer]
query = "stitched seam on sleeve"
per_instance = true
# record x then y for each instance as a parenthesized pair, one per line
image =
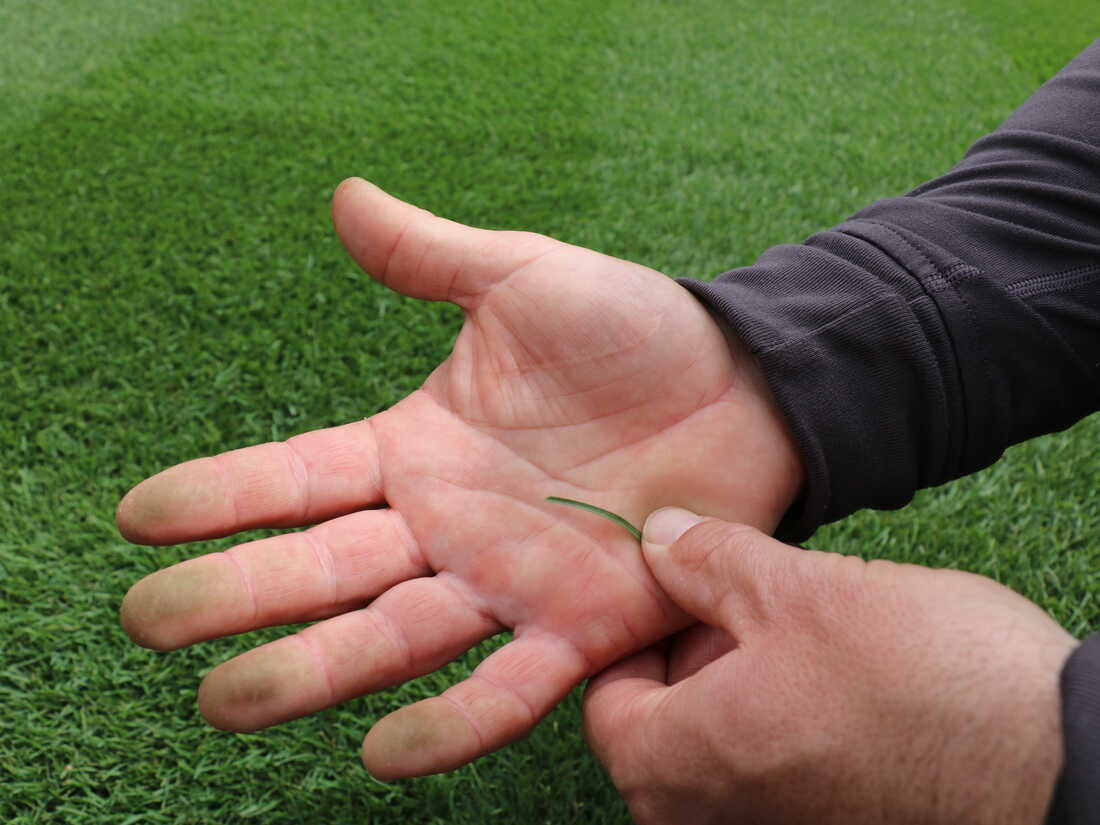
(816, 331)
(943, 280)
(882, 225)
(1068, 279)
(949, 278)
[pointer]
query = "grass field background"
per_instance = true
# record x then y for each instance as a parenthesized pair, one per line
(170, 287)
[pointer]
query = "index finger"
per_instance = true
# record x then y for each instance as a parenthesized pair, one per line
(620, 696)
(303, 480)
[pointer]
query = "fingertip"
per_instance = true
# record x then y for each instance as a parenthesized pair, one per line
(217, 713)
(660, 533)
(263, 687)
(698, 561)
(358, 210)
(666, 525)
(140, 510)
(123, 518)
(348, 186)
(163, 508)
(354, 180)
(340, 198)
(137, 624)
(431, 736)
(189, 602)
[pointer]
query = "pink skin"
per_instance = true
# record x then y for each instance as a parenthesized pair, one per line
(826, 689)
(575, 375)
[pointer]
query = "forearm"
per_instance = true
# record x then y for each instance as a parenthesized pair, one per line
(911, 344)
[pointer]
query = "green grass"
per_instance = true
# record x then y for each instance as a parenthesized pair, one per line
(170, 287)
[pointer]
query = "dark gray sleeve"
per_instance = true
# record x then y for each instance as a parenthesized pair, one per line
(1077, 796)
(913, 343)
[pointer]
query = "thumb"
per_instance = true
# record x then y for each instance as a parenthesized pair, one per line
(413, 252)
(727, 575)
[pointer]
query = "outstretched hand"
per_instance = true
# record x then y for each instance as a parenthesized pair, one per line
(574, 374)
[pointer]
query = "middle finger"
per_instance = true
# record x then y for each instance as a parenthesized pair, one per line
(294, 577)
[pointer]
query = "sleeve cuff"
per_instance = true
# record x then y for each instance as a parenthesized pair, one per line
(1077, 794)
(853, 346)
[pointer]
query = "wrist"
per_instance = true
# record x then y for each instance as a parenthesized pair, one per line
(782, 466)
(1023, 752)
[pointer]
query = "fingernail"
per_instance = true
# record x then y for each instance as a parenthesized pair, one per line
(664, 526)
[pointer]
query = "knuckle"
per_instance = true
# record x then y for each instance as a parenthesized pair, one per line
(646, 807)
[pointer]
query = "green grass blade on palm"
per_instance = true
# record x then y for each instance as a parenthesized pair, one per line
(599, 511)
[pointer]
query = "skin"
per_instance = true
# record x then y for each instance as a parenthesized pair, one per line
(574, 375)
(830, 690)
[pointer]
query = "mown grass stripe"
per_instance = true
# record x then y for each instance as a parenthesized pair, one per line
(169, 287)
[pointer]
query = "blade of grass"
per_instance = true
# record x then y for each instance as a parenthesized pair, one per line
(599, 511)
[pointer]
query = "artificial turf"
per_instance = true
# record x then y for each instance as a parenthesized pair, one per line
(170, 287)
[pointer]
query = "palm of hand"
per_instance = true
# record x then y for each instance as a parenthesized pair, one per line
(574, 375)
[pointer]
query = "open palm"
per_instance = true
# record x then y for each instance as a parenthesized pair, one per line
(576, 375)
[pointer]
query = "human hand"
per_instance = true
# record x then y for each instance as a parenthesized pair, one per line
(575, 375)
(830, 690)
